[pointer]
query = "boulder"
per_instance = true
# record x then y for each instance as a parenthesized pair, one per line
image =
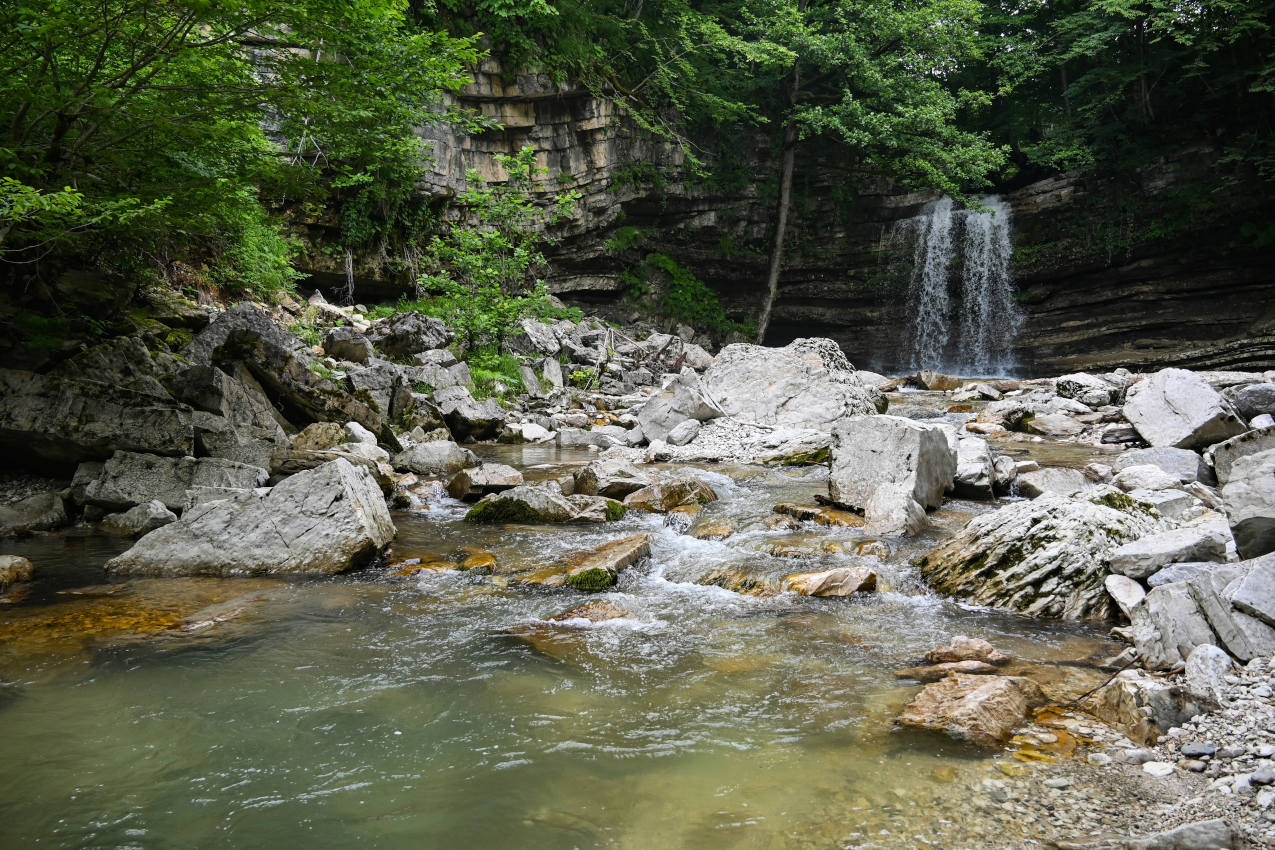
(869, 451)
(975, 470)
(1198, 541)
(1144, 477)
(437, 458)
(524, 432)
(405, 334)
(325, 520)
(1009, 413)
(683, 433)
(1167, 625)
(345, 343)
(1215, 834)
(1254, 594)
(595, 508)
(963, 648)
(130, 478)
(1051, 480)
(1051, 424)
(66, 420)
(1142, 706)
(1238, 632)
(614, 478)
(683, 400)
(1249, 498)
(1125, 591)
(41, 512)
(469, 419)
(219, 437)
(1205, 667)
(530, 382)
(532, 338)
(1223, 456)
(664, 496)
(531, 503)
(597, 569)
(937, 381)
(138, 520)
(842, 581)
(13, 569)
(1178, 408)
(806, 384)
(893, 510)
(1043, 557)
(1178, 572)
(1086, 389)
(983, 710)
(1252, 400)
(1183, 464)
(470, 485)
(934, 672)
(604, 437)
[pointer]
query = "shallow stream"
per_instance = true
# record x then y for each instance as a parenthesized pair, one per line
(442, 709)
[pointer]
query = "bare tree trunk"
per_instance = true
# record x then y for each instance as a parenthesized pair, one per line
(781, 218)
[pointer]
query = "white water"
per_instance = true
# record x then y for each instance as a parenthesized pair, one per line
(974, 333)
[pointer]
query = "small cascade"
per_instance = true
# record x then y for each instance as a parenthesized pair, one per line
(348, 295)
(973, 333)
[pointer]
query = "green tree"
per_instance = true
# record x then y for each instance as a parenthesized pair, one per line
(487, 272)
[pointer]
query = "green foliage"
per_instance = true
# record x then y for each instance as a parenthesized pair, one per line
(683, 295)
(114, 111)
(484, 277)
(581, 378)
(491, 369)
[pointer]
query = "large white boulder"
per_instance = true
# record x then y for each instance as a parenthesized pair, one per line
(1203, 540)
(975, 470)
(806, 384)
(1224, 455)
(870, 451)
(325, 520)
(1249, 497)
(682, 401)
(1178, 408)
(132, 478)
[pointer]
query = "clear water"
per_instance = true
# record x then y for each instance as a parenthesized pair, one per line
(442, 710)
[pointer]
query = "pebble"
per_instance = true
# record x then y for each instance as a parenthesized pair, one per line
(1058, 782)
(1158, 768)
(1198, 749)
(1265, 776)
(1193, 765)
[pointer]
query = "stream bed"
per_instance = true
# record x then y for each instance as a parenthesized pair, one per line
(444, 709)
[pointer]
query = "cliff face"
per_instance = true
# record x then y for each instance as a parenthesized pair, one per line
(1151, 270)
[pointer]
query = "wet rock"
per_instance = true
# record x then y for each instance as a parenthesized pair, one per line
(680, 518)
(325, 520)
(820, 515)
(1198, 541)
(138, 520)
(437, 457)
(65, 421)
(528, 503)
(405, 334)
(345, 343)
(1249, 498)
(805, 384)
(13, 569)
(869, 451)
(130, 478)
(983, 710)
(738, 582)
(595, 508)
(1050, 480)
(1042, 557)
(1178, 408)
(666, 495)
(892, 510)
(962, 648)
(469, 419)
(597, 569)
(598, 611)
(718, 528)
(934, 672)
(41, 512)
(614, 478)
(842, 581)
(470, 485)
(803, 547)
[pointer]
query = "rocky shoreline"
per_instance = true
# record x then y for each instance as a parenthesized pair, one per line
(249, 452)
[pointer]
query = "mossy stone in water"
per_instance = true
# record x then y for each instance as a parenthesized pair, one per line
(502, 511)
(591, 578)
(807, 458)
(615, 510)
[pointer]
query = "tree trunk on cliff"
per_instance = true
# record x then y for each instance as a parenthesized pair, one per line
(781, 218)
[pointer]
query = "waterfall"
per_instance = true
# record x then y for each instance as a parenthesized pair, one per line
(348, 295)
(974, 333)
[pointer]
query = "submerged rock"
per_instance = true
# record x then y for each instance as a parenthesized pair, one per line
(843, 581)
(962, 648)
(543, 503)
(326, 520)
(13, 569)
(983, 710)
(597, 569)
(1043, 557)
(820, 515)
(667, 495)
(935, 672)
(738, 582)
(139, 519)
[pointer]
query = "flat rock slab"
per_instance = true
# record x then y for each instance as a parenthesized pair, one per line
(1178, 408)
(325, 520)
(842, 581)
